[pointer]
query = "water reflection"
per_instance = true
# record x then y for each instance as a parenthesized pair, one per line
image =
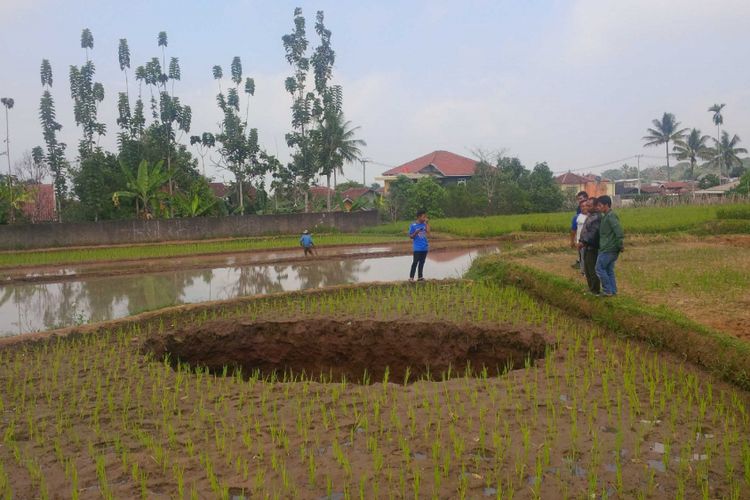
(26, 307)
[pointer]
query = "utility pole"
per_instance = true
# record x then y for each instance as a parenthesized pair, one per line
(638, 169)
(364, 167)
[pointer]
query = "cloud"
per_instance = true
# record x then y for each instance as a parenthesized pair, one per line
(596, 29)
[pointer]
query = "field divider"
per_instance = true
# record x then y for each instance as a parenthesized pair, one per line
(726, 356)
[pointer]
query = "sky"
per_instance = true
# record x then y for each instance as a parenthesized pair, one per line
(574, 83)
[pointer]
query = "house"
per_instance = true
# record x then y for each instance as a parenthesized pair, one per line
(668, 188)
(365, 195)
(719, 190)
(41, 205)
(320, 192)
(445, 167)
(594, 185)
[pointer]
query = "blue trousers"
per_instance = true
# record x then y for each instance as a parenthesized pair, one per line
(605, 270)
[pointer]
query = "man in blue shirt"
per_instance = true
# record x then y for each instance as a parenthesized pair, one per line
(418, 232)
(306, 242)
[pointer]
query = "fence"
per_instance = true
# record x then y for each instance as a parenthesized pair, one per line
(118, 232)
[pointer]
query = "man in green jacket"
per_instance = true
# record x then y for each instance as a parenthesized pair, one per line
(611, 239)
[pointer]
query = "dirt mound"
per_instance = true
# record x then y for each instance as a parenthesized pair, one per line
(351, 349)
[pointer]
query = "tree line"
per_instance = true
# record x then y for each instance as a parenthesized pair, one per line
(155, 170)
(692, 146)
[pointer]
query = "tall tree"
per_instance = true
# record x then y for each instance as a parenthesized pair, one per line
(238, 144)
(726, 153)
(692, 148)
(86, 95)
(295, 45)
(8, 102)
(718, 120)
(665, 130)
(55, 156)
(124, 119)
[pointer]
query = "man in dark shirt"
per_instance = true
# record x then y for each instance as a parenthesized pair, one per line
(611, 237)
(589, 243)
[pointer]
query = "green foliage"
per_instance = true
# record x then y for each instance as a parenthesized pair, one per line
(734, 212)
(708, 181)
(544, 194)
(145, 186)
(94, 181)
(427, 194)
(744, 186)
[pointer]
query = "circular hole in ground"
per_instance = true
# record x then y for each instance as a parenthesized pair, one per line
(357, 351)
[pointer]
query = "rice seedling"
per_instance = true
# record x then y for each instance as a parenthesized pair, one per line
(127, 424)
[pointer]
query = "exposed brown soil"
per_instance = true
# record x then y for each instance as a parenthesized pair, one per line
(60, 273)
(351, 350)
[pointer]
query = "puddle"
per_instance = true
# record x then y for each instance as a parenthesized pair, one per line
(30, 307)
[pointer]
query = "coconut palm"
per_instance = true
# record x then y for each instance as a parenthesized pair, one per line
(692, 148)
(8, 102)
(145, 187)
(665, 130)
(337, 145)
(725, 152)
(718, 119)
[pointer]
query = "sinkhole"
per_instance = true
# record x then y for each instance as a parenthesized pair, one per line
(358, 351)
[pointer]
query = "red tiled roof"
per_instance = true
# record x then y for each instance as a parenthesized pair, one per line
(571, 178)
(320, 191)
(449, 164)
(41, 207)
(596, 178)
(219, 189)
(677, 185)
(354, 193)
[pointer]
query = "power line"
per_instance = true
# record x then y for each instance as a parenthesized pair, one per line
(605, 164)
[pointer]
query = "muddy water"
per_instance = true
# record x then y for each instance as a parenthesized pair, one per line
(28, 307)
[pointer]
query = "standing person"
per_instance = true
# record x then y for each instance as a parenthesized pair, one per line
(588, 241)
(583, 206)
(611, 238)
(306, 242)
(581, 196)
(418, 232)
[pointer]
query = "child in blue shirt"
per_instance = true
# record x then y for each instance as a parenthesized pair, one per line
(306, 242)
(418, 232)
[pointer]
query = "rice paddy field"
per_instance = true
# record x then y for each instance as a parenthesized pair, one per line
(98, 414)
(647, 220)
(707, 279)
(62, 256)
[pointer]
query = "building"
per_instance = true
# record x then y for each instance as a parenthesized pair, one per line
(365, 196)
(41, 206)
(719, 190)
(445, 167)
(594, 185)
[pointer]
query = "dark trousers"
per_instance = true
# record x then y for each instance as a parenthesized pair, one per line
(589, 269)
(419, 258)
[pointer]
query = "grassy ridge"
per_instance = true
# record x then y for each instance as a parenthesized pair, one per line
(101, 254)
(635, 220)
(720, 353)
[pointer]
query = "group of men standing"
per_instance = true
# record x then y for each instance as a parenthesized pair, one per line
(597, 234)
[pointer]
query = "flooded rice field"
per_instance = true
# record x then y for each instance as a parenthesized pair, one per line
(32, 307)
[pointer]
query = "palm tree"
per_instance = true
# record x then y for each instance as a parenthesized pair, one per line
(337, 146)
(725, 153)
(8, 102)
(718, 121)
(665, 130)
(145, 187)
(692, 148)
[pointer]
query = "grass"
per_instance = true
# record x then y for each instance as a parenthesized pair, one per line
(597, 416)
(647, 220)
(162, 250)
(706, 279)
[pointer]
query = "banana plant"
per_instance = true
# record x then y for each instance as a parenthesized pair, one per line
(145, 188)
